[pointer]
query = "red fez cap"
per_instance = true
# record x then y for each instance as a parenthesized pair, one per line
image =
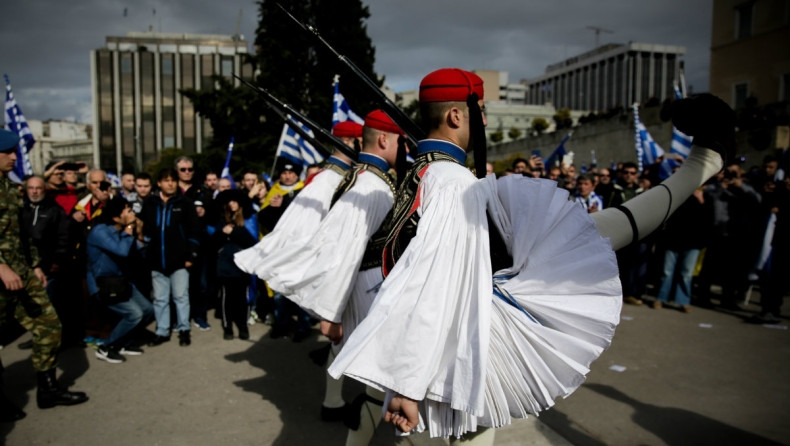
(379, 120)
(450, 85)
(347, 129)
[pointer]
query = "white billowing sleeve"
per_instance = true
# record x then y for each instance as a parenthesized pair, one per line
(323, 274)
(274, 253)
(427, 333)
(653, 207)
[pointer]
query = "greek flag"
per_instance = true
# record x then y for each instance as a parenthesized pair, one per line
(293, 148)
(341, 111)
(681, 145)
(647, 151)
(114, 180)
(559, 152)
(226, 169)
(15, 122)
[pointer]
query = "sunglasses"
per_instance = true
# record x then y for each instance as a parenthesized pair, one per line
(630, 172)
(186, 169)
(604, 175)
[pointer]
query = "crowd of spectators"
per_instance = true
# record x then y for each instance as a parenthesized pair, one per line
(120, 255)
(734, 233)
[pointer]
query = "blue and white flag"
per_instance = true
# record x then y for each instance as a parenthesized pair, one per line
(115, 182)
(681, 145)
(295, 149)
(559, 152)
(15, 122)
(341, 112)
(226, 170)
(647, 151)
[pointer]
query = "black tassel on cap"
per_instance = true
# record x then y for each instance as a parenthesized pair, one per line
(401, 164)
(357, 147)
(477, 133)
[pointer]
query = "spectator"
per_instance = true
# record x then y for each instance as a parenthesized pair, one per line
(520, 165)
(536, 166)
(630, 181)
(23, 296)
(186, 172)
(489, 168)
(586, 195)
(48, 227)
(210, 182)
(98, 194)
(223, 184)
(127, 187)
(684, 236)
(610, 192)
(554, 173)
(236, 230)
(171, 224)
(774, 283)
(632, 260)
(71, 176)
(249, 180)
(63, 194)
(113, 251)
(142, 190)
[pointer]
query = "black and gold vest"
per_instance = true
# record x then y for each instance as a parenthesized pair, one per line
(372, 256)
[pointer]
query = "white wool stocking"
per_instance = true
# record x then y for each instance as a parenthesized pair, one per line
(333, 398)
(651, 209)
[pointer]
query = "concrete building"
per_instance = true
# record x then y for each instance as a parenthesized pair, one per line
(503, 117)
(60, 140)
(750, 51)
(608, 76)
(135, 82)
(498, 87)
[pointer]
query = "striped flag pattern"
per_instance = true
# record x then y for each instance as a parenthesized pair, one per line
(341, 111)
(681, 145)
(647, 151)
(293, 148)
(15, 122)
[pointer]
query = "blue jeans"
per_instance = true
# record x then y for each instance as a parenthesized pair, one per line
(136, 311)
(678, 272)
(178, 283)
(284, 308)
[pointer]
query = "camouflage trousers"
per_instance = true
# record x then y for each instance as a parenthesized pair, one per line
(32, 308)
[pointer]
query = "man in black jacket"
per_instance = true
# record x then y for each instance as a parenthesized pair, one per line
(48, 226)
(171, 223)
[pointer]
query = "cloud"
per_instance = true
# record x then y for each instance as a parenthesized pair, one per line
(48, 60)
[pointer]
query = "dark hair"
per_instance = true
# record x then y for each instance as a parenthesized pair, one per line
(313, 165)
(113, 208)
(182, 158)
(432, 113)
(629, 165)
(585, 176)
(165, 173)
(211, 172)
(250, 172)
(126, 172)
(519, 160)
(143, 176)
(770, 159)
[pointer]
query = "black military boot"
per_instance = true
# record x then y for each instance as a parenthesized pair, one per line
(51, 394)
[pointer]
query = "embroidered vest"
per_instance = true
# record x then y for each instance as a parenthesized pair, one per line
(372, 256)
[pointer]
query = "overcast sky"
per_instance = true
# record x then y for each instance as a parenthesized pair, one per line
(46, 43)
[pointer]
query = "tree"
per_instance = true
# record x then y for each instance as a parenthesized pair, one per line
(563, 119)
(295, 68)
(540, 125)
(496, 136)
(413, 111)
(514, 133)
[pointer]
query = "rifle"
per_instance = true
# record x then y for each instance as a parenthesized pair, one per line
(282, 108)
(412, 130)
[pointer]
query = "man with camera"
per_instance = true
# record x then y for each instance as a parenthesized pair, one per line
(113, 247)
(57, 175)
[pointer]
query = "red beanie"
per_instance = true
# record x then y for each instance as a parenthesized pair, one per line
(347, 129)
(450, 85)
(379, 120)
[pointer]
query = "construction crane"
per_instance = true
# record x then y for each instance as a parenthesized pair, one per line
(236, 35)
(598, 32)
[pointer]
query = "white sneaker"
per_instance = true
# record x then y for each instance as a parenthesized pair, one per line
(251, 321)
(109, 355)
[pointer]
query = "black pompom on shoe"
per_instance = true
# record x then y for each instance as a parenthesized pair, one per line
(709, 120)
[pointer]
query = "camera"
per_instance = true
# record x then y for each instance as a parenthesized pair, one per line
(104, 186)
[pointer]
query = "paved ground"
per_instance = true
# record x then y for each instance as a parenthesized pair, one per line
(683, 384)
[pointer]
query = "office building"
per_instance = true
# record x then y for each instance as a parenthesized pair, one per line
(135, 81)
(608, 76)
(750, 51)
(60, 140)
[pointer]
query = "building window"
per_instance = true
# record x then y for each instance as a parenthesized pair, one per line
(107, 159)
(147, 100)
(227, 67)
(784, 89)
(168, 86)
(743, 20)
(127, 109)
(740, 92)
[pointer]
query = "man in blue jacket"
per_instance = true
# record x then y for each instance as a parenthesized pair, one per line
(171, 223)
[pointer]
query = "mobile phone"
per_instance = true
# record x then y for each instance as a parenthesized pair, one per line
(536, 152)
(70, 166)
(104, 186)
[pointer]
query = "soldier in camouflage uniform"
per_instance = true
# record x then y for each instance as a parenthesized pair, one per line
(22, 290)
